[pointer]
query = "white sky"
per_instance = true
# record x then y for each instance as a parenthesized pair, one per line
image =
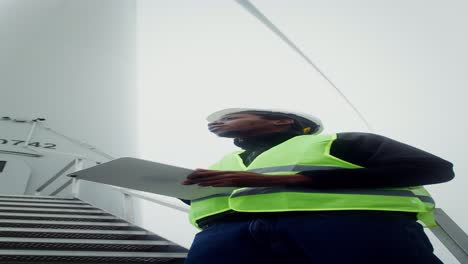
(400, 62)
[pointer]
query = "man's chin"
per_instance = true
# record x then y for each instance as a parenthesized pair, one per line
(227, 134)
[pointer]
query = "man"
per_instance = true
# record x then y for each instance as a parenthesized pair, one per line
(303, 197)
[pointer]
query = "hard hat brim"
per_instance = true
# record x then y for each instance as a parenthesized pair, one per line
(218, 114)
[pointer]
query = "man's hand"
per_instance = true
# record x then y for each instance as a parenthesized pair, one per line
(242, 179)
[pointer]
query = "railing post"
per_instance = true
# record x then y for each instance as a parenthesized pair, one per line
(75, 182)
(75, 187)
(78, 164)
(31, 131)
(128, 207)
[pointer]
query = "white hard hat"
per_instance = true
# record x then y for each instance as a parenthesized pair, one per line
(304, 119)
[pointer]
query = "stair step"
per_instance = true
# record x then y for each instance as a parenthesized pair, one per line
(37, 197)
(50, 256)
(95, 211)
(80, 235)
(57, 224)
(63, 217)
(86, 241)
(84, 260)
(82, 231)
(83, 246)
(92, 253)
(52, 209)
(48, 230)
(62, 226)
(83, 223)
(45, 205)
(6, 199)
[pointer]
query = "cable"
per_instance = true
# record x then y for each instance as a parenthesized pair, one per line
(255, 12)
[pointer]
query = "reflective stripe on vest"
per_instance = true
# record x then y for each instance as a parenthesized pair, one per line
(384, 192)
(307, 153)
(295, 168)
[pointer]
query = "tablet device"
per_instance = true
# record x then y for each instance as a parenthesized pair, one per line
(147, 176)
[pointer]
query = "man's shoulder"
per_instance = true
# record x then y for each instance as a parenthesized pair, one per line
(360, 136)
(359, 140)
(354, 138)
(348, 136)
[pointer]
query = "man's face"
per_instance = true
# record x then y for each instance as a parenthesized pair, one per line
(244, 125)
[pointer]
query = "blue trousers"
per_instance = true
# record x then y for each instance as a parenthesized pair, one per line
(314, 238)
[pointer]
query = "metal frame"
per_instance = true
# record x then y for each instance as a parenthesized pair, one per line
(62, 187)
(55, 177)
(35, 123)
(154, 200)
(10, 152)
(128, 208)
(128, 199)
(78, 162)
(451, 236)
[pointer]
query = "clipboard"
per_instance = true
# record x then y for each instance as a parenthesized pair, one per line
(147, 176)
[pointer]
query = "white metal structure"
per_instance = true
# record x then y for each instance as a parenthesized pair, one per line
(61, 227)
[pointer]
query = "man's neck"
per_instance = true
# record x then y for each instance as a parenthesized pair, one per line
(264, 140)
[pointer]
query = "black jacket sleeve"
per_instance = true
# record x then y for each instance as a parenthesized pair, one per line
(187, 202)
(386, 162)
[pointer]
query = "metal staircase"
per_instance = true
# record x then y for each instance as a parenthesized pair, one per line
(46, 229)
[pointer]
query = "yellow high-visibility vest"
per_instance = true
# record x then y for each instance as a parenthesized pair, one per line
(307, 153)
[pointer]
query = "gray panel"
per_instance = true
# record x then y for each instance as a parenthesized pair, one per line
(14, 177)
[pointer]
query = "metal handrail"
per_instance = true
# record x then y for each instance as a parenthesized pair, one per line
(155, 200)
(451, 236)
(78, 163)
(63, 186)
(10, 152)
(55, 177)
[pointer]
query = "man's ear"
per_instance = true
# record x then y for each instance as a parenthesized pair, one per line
(280, 122)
